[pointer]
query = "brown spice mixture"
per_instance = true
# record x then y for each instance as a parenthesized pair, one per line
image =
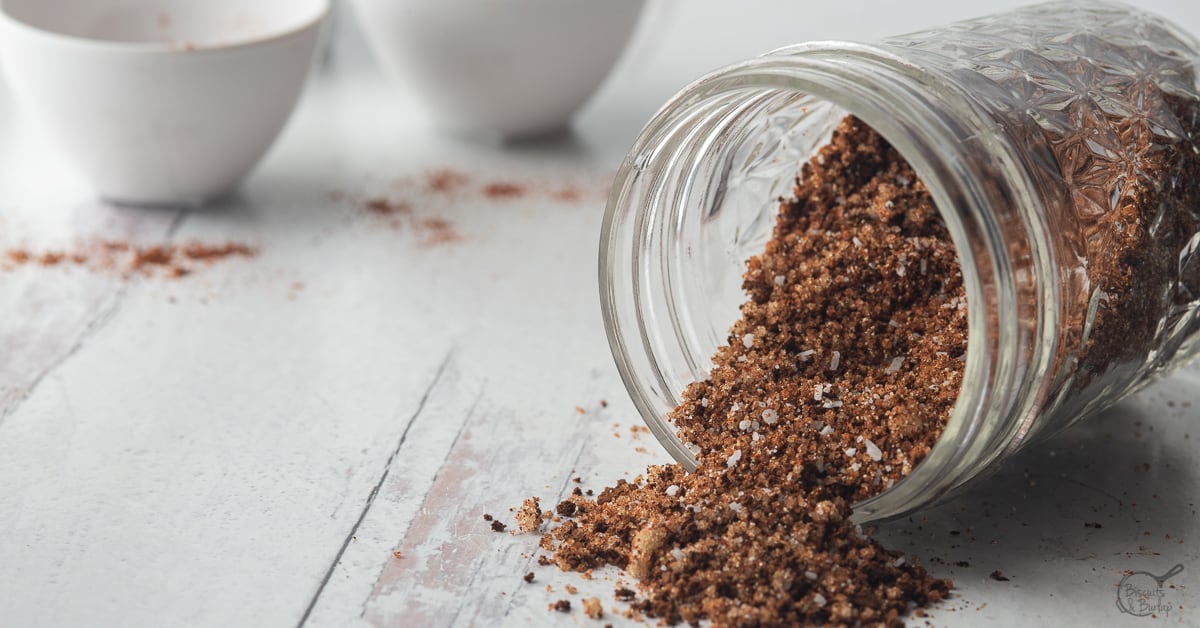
(836, 382)
(167, 260)
(529, 516)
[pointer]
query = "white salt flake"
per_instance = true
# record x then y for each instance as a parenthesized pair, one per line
(819, 599)
(857, 242)
(855, 467)
(735, 407)
(897, 362)
(831, 404)
(733, 458)
(676, 553)
(770, 416)
(744, 424)
(850, 451)
(672, 490)
(835, 360)
(873, 451)
(704, 402)
(889, 204)
(902, 181)
(741, 358)
(818, 392)
(893, 323)
(811, 575)
(898, 561)
(748, 340)
(735, 507)
(827, 430)
(806, 354)
(780, 280)
(755, 437)
(900, 270)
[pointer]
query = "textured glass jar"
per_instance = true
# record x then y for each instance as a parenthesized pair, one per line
(1058, 143)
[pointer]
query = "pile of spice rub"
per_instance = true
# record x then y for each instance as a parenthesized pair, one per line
(835, 383)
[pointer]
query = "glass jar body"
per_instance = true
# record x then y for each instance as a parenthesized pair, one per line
(1058, 144)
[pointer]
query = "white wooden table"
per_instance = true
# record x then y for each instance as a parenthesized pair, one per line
(311, 437)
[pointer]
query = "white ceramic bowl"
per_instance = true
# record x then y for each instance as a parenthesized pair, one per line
(161, 102)
(506, 68)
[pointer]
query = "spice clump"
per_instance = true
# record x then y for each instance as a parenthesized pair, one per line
(836, 382)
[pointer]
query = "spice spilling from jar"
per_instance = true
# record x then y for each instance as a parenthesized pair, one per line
(836, 381)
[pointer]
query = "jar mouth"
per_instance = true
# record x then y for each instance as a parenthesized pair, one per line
(676, 182)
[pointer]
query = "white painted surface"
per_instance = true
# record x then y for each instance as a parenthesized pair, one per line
(232, 449)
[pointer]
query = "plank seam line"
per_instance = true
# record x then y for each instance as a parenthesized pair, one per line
(387, 467)
(106, 313)
(562, 491)
(433, 481)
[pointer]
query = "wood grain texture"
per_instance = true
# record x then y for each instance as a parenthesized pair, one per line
(251, 445)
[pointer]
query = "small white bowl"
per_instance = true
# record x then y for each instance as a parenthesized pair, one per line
(506, 68)
(161, 102)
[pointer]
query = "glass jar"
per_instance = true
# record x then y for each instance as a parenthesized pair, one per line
(1058, 144)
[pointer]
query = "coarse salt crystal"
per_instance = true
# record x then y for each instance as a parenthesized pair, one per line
(819, 599)
(780, 279)
(855, 467)
(735, 507)
(811, 575)
(857, 242)
(704, 402)
(897, 362)
(735, 407)
(807, 353)
(902, 181)
(835, 360)
(900, 271)
(672, 490)
(893, 323)
(873, 451)
(733, 458)
(741, 358)
(676, 553)
(744, 424)
(770, 416)
(827, 430)
(755, 437)
(748, 340)
(898, 561)
(850, 451)
(818, 392)
(889, 204)
(831, 404)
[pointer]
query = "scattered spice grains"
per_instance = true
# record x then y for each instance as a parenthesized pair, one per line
(562, 606)
(166, 260)
(529, 577)
(592, 608)
(529, 516)
(836, 382)
(498, 526)
(999, 576)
